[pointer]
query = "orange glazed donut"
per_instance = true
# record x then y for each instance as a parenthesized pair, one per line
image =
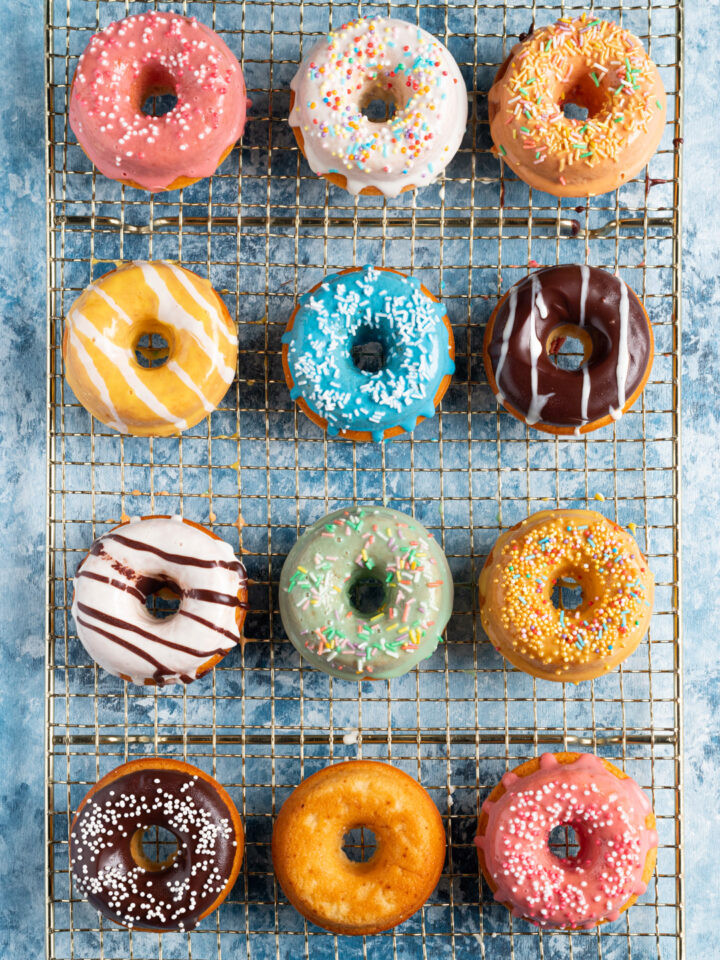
(517, 582)
(331, 890)
(615, 828)
(104, 327)
(110, 867)
(594, 64)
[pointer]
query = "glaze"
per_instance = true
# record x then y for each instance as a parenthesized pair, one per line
(145, 55)
(104, 326)
(357, 306)
(595, 64)
(108, 864)
(614, 825)
(132, 561)
(336, 557)
(391, 60)
(517, 583)
(548, 305)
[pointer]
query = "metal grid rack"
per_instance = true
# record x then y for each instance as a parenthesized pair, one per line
(263, 230)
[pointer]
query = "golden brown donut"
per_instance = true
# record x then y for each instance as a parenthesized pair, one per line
(331, 890)
(517, 581)
(109, 865)
(614, 824)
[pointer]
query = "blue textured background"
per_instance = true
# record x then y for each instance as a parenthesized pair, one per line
(22, 504)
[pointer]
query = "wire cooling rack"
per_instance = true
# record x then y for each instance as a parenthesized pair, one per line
(264, 230)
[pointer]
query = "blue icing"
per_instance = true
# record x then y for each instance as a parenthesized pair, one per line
(354, 308)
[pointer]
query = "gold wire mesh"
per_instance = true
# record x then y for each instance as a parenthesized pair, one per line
(264, 229)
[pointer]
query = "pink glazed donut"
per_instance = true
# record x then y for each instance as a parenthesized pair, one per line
(151, 54)
(615, 829)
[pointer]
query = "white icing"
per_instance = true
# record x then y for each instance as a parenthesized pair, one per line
(584, 282)
(537, 400)
(623, 358)
(330, 144)
(507, 332)
(173, 314)
(123, 359)
(116, 422)
(119, 561)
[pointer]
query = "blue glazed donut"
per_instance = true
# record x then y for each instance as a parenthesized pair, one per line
(359, 306)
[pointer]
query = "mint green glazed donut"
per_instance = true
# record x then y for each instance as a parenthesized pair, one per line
(365, 594)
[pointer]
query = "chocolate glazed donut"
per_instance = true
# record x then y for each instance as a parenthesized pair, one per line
(110, 867)
(533, 318)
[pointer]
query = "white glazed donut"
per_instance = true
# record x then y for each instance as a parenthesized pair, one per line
(391, 60)
(133, 561)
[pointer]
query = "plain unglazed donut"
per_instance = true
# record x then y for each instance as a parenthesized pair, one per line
(331, 890)
(110, 868)
(615, 829)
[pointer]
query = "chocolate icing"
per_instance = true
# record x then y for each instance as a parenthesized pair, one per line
(175, 896)
(549, 299)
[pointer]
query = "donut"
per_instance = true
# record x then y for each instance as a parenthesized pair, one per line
(594, 64)
(615, 830)
(365, 594)
(352, 308)
(378, 59)
(139, 558)
(110, 867)
(531, 322)
(320, 880)
(153, 54)
(569, 645)
(104, 327)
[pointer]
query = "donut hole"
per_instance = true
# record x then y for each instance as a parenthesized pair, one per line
(153, 848)
(567, 594)
(379, 102)
(367, 594)
(157, 105)
(156, 91)
(368, 354)
(575, 111)
(162, 598)
(151, 350)
(563, 842)
(569, 347)
(359, 844)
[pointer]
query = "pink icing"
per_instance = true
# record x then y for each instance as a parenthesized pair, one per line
(608, 817)
(146, 54)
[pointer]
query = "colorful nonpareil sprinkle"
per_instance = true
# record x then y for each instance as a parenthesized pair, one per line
(400, 64)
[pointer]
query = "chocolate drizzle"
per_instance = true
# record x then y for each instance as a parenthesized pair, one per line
(176, 895)
(553, 302)
(120, 573)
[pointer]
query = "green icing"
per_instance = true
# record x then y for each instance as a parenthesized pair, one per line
(365, 593)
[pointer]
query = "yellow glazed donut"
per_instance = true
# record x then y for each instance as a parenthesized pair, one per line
(517, 582)
(331, 890)
(104, 326)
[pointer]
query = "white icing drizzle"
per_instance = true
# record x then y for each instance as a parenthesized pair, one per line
(211, 309)
(123, 360)
(116, 422)
(584, 281)
(623, 359)
(507, 332)
(107, 586)
(174, 315)
(537, 401)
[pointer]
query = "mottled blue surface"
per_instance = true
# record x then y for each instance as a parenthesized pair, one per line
(22, 503)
